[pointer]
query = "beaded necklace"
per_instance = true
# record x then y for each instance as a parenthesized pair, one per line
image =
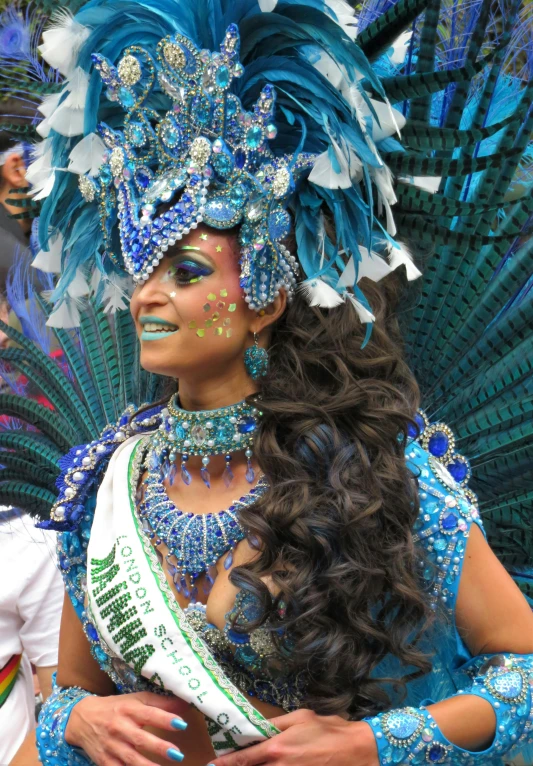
(205, 433)
(195, 541)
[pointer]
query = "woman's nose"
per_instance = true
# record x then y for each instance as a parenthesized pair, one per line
(152, 291)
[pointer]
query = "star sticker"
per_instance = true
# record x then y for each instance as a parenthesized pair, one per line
(173, 294)
(218, 248)
(203, 236)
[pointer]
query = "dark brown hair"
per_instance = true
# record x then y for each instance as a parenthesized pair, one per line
(335, 527)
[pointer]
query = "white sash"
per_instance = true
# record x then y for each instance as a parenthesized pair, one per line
(137, 616)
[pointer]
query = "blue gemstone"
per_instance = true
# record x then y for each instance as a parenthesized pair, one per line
(412, 432)
(64, 562)
(222, 77)
(220, 210)
(438, 444)
(449, 522)
(458, 469)
(136, 246)
(91, 631)
(126, 97)
(247, 425)
(238, 638)
(420, 420)
(254, 137)
(436, 752)
(240, 158)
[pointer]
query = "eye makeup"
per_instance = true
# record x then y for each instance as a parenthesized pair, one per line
(186, 271)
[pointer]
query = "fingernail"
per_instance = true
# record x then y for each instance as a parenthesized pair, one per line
(174, 754)
(178, 723)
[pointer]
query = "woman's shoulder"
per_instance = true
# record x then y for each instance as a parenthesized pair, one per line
(448, 509)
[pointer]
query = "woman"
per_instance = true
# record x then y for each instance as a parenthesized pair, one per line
(347, 606)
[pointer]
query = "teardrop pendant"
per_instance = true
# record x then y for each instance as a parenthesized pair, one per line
(185, 475)
(228, 473)
(172, 473)
(228, 560)
(250, 473)
(204, 473)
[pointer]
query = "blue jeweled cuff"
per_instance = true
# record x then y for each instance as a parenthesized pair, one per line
(53, 720)
(412, 736)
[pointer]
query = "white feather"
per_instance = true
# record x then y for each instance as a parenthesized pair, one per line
(65, 316)
(428, 183)
(79, 287)
(46, 189)
(49, 104)
(69, 117)
(400, 47)
(40, 173)
(50, 261)
(400, 256)
(325, 175)
(371, 266)
(62, 41)
(116, 295)
(319, 293)
(267, 5)
(382, 177)
(329, 69)
(87, 156)
(363, 313)
(345, 16)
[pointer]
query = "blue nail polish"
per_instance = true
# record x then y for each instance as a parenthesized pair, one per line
(174, 754)
(177, 723)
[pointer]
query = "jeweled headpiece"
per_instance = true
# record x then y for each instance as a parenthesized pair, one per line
(207, 158)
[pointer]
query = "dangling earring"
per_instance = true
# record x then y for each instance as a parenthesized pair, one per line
(256, 360)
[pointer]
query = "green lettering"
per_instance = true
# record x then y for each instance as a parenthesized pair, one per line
(130, 634)
(120, 615)
(139, 657)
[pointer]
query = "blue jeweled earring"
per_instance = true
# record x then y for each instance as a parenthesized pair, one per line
(256, 360)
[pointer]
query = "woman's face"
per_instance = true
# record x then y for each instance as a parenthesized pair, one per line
(191, 317)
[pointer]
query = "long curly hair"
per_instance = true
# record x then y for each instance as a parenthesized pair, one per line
(335, 527)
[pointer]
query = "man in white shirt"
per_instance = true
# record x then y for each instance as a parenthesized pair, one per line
(31, 598)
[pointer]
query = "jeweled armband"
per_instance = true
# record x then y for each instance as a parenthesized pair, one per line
(412, 736)
(53, 720)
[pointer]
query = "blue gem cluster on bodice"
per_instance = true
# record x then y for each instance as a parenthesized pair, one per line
(202, 156)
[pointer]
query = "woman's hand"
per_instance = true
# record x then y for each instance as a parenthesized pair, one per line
(308, 739)
(110, 729)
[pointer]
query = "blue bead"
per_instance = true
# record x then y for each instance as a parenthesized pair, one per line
(247, 425)
(449, 522)
(436, 752)
(126, 97)
(91, 631)
(458, 469)
(222, 77)
(240, 158)
(438, 444)
(238, 638)
(254, 137)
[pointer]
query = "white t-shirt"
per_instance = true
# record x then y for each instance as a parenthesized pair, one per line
(31, 598)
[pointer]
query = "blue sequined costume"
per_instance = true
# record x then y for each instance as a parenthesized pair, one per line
(441, 532)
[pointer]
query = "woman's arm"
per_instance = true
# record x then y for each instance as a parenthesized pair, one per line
(493, 618)
(85, 718)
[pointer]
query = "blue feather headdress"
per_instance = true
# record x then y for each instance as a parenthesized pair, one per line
(288, 134)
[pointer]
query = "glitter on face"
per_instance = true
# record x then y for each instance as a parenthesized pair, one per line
(211, 297)
(192, 325)
(218, 248)
(232, 307)
(223, 293)
(226, 322)
(207, 307)
(229, 333)
(209, 323)
(173, 294)
(218, 330)
(216, 316)
(200, 333)
(203, 237)
(220, 305)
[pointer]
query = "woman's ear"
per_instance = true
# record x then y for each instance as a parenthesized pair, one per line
(270, 314)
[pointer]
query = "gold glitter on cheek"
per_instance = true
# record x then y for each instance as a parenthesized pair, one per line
(223, 293)
(226, 322)
(203, 237)
(207, 307)
(218, 330)
(192, 325)
(229, 333)
(218, 249)
(200, 333)
(220, 305)
(232, 307)
(211, 297)
(216, 316)
(209, 323)
(173, 294)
